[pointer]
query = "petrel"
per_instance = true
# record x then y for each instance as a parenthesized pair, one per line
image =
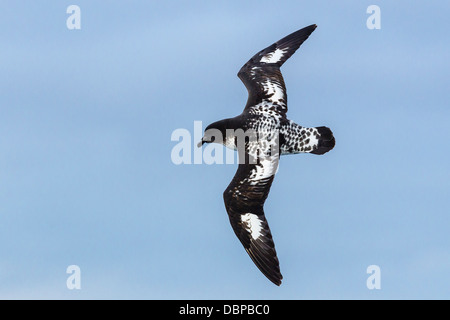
(261, 134)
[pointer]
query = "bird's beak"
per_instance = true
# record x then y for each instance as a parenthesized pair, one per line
(199, 145)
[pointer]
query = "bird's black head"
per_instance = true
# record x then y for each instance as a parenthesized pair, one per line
(215, 133)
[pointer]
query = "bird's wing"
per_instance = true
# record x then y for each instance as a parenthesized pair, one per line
(244, 200)
(262, 76)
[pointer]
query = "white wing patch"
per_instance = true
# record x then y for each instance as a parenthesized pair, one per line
(274, 90)
(267, 167)
(274, 57)
(253, 224)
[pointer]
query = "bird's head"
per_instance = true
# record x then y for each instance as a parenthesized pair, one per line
(214, 133)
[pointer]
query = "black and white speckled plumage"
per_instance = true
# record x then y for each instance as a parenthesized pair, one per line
(269, 135)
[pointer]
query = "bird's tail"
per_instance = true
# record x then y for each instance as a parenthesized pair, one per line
(326, 141)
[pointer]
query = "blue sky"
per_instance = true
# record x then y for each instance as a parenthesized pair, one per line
(86, 176)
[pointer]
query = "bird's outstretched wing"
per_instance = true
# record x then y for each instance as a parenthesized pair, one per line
(262, 76)
(244, 200)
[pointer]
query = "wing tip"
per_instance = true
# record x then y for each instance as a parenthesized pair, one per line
(271, 272)
(277, 281)
(309, 29)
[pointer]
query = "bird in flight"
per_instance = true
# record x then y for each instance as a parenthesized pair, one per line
(261, 134)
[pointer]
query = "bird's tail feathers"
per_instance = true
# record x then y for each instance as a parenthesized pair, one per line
(326, 141)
